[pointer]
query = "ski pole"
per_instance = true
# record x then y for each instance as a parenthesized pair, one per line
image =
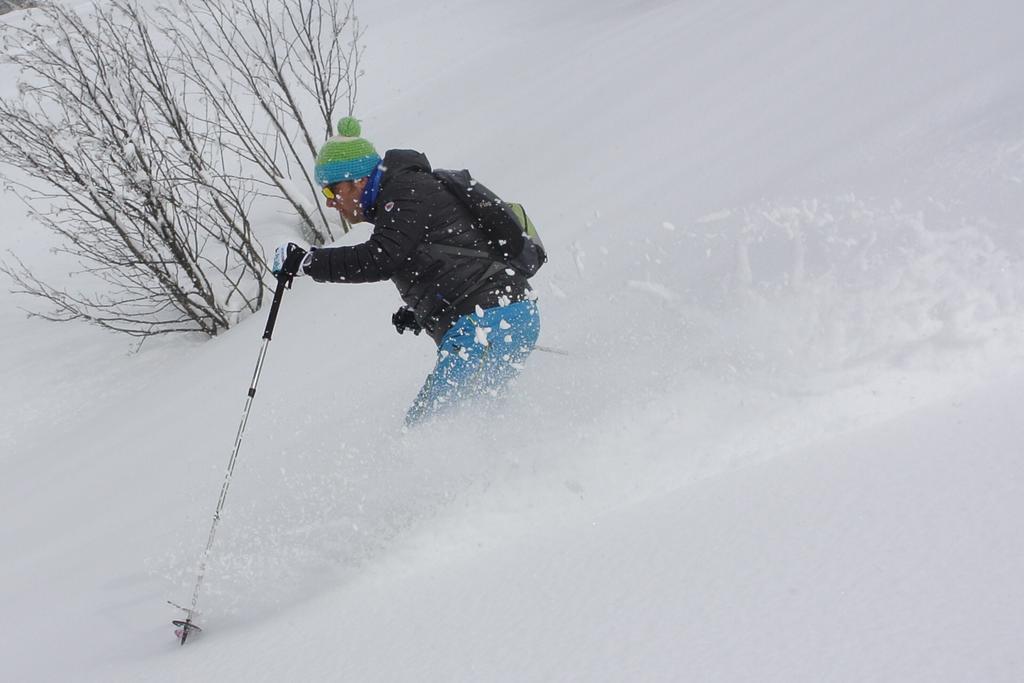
(186, 626)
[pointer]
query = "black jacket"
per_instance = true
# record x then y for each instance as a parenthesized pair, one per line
(419, 229)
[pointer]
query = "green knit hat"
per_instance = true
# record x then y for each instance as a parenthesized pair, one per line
(346, 156)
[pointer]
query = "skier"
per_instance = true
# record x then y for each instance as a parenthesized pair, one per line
(481, 313)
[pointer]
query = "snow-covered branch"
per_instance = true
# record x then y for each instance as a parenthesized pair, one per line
(148, 139)
(130, 181)
(262, 67)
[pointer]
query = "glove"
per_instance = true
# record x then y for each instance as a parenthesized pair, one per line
(288, 260)
(403, 320)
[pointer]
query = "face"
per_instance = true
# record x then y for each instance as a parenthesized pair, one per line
(346, 199)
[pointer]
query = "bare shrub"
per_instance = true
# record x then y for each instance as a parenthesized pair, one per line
(146, 145)
(280, 71)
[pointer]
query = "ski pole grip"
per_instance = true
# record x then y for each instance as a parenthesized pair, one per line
(283, 281)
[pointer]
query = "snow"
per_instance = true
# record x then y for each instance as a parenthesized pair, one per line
(787, 273)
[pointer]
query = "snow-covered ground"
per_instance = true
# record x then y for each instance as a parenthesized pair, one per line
(788, 270)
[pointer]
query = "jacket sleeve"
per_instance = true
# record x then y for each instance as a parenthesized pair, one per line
(394, 238)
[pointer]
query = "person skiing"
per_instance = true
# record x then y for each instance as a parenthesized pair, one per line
(481, 313)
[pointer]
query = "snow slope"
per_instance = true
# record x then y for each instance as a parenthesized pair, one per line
(787, 267)
(888, 555)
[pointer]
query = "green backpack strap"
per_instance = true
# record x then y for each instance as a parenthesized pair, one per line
(533, 255)
(524, 221)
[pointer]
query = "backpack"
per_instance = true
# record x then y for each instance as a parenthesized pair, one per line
(510, 232)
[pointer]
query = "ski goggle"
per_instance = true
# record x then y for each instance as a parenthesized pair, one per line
(328, 192)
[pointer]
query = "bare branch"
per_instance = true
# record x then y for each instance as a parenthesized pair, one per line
(132, 183)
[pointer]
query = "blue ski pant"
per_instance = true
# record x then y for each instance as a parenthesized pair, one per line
(477, 357)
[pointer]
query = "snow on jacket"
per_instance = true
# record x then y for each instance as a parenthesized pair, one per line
(419, 227)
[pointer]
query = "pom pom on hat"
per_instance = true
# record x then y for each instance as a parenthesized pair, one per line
(346, 156)
(349, 127)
